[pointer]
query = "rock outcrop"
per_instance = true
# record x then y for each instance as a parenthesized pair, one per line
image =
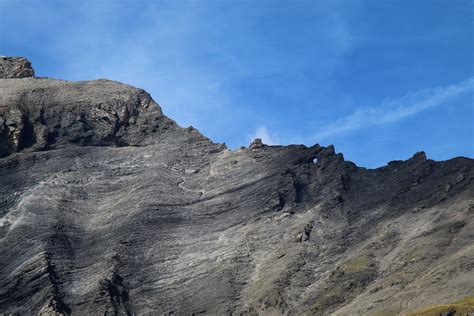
(15, 67)
(109, 207)
(41, 114)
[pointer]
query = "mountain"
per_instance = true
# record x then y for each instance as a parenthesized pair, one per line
(107, 206)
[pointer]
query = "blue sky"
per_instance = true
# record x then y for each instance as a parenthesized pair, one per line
(378, 79)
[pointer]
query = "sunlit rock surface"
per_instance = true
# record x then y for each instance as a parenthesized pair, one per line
(108, 206)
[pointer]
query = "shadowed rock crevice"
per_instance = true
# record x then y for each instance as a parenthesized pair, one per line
(56, 303)
(27, 137)
(113, 290)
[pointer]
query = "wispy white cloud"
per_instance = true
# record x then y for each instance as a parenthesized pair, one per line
(266, 137)
(394, 110)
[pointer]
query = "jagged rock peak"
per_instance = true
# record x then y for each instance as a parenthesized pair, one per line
(15, 67)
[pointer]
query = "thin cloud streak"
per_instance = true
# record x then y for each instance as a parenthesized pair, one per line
(394, 110)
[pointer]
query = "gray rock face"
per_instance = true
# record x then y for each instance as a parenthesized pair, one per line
(41, 114)
(107, 206)
(15, 67)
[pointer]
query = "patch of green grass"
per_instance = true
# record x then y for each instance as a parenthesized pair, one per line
(358, 264)
(385, 312)
(463, 307)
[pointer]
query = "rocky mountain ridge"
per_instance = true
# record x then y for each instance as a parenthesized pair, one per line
(108, 206)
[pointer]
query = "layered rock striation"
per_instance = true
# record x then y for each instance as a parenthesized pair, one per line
(107, 206)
